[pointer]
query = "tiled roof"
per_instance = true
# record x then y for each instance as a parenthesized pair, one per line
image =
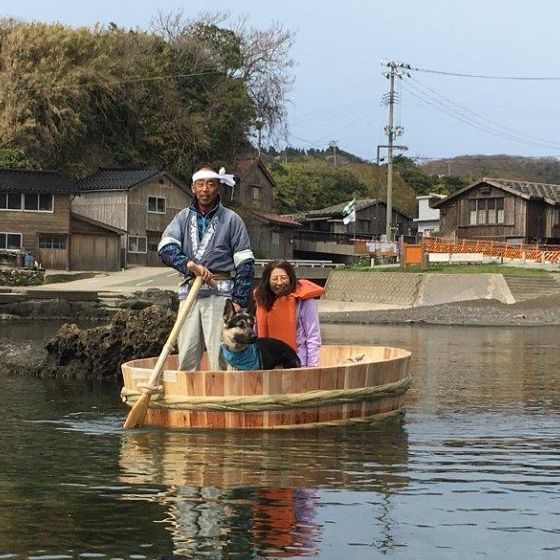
(525, 189)
(335, 211)
(245, 163)
(337, 208)
(116, 179)
(275, 218)
(93, 222)
(296, 217)
(32, 180)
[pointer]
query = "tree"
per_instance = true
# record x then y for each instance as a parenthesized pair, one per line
(260, 58)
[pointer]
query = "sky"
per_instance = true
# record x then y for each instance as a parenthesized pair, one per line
(338, 78)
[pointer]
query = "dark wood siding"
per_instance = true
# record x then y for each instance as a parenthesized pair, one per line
(107, 207)
(89, 251)
(269, 241)
(253, 180)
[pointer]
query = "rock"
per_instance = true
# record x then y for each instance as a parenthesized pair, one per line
(56, 308)
(98, 352)
(7, 317)
(21, 277)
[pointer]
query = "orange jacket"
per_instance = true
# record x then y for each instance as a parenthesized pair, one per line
(281, 321)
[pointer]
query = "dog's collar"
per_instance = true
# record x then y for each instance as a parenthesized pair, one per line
(246, 360)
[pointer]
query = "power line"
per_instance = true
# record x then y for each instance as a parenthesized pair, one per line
(487, 76)
(492, 126)
(477, 124)
(462, 160)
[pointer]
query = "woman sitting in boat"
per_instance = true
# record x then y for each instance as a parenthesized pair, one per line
(286, 310)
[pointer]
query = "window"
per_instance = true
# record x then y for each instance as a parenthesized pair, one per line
(556, 216)
(275, 239)
(256, 193)
(500, 210)
(472, 212)
(30, 202)
(137, 244)
(363, 226)
(45, 202)
(486, 211)
(156, 205)
(52, 243)
(10, 240)
(491, 205)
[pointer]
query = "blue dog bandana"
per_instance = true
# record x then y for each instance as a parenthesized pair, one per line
(246, 360)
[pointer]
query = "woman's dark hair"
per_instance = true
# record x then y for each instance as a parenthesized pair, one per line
(263, 294)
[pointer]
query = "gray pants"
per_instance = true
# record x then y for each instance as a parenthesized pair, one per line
(203, 326)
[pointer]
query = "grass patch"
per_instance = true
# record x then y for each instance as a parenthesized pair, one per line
(506, 270)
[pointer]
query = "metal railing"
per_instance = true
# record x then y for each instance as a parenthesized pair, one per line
(311, 263)
(328, 236)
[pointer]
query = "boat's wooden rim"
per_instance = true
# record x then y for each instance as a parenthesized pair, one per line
(372, 355)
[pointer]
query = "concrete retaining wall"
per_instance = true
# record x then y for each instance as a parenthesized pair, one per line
(392, 288)
(414, 290)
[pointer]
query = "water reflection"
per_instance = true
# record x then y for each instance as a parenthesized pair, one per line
(461, 368)
(257, 493)
(473, 472)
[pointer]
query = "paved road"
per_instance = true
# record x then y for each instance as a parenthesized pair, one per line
(125, 281)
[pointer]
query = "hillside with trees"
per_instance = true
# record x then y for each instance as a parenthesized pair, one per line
(474, 167)
(423, 182)
(312, 181)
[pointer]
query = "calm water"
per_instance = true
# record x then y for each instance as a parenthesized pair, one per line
(473, 472)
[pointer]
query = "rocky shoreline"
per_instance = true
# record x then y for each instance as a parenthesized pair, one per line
(141, 327)
(537, 312)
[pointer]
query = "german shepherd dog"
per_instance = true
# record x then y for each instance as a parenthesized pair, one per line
(246, 351)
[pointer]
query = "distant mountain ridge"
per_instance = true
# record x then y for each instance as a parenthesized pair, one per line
(473, 167)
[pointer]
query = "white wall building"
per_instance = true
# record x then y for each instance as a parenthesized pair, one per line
(428, 218)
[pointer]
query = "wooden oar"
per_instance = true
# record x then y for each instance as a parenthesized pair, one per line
(137, 413)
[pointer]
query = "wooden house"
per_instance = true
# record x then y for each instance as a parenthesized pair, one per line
(139, 201)
(253, 198)
(271, 234)
(35, 214)
(370, 220)
(502, 210)
(35, 217)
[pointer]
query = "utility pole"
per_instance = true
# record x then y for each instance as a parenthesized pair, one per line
(396, 70)
(259, 126)
(333, 144)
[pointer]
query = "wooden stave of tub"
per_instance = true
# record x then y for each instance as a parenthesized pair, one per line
(379, 366)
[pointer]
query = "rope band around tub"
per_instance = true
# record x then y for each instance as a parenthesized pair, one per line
(258, 403)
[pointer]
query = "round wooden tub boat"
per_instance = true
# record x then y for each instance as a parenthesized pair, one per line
(352, 384)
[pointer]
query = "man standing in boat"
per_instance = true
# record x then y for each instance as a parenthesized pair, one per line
(215, 237)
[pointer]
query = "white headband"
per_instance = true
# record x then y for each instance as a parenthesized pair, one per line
(222, 176)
